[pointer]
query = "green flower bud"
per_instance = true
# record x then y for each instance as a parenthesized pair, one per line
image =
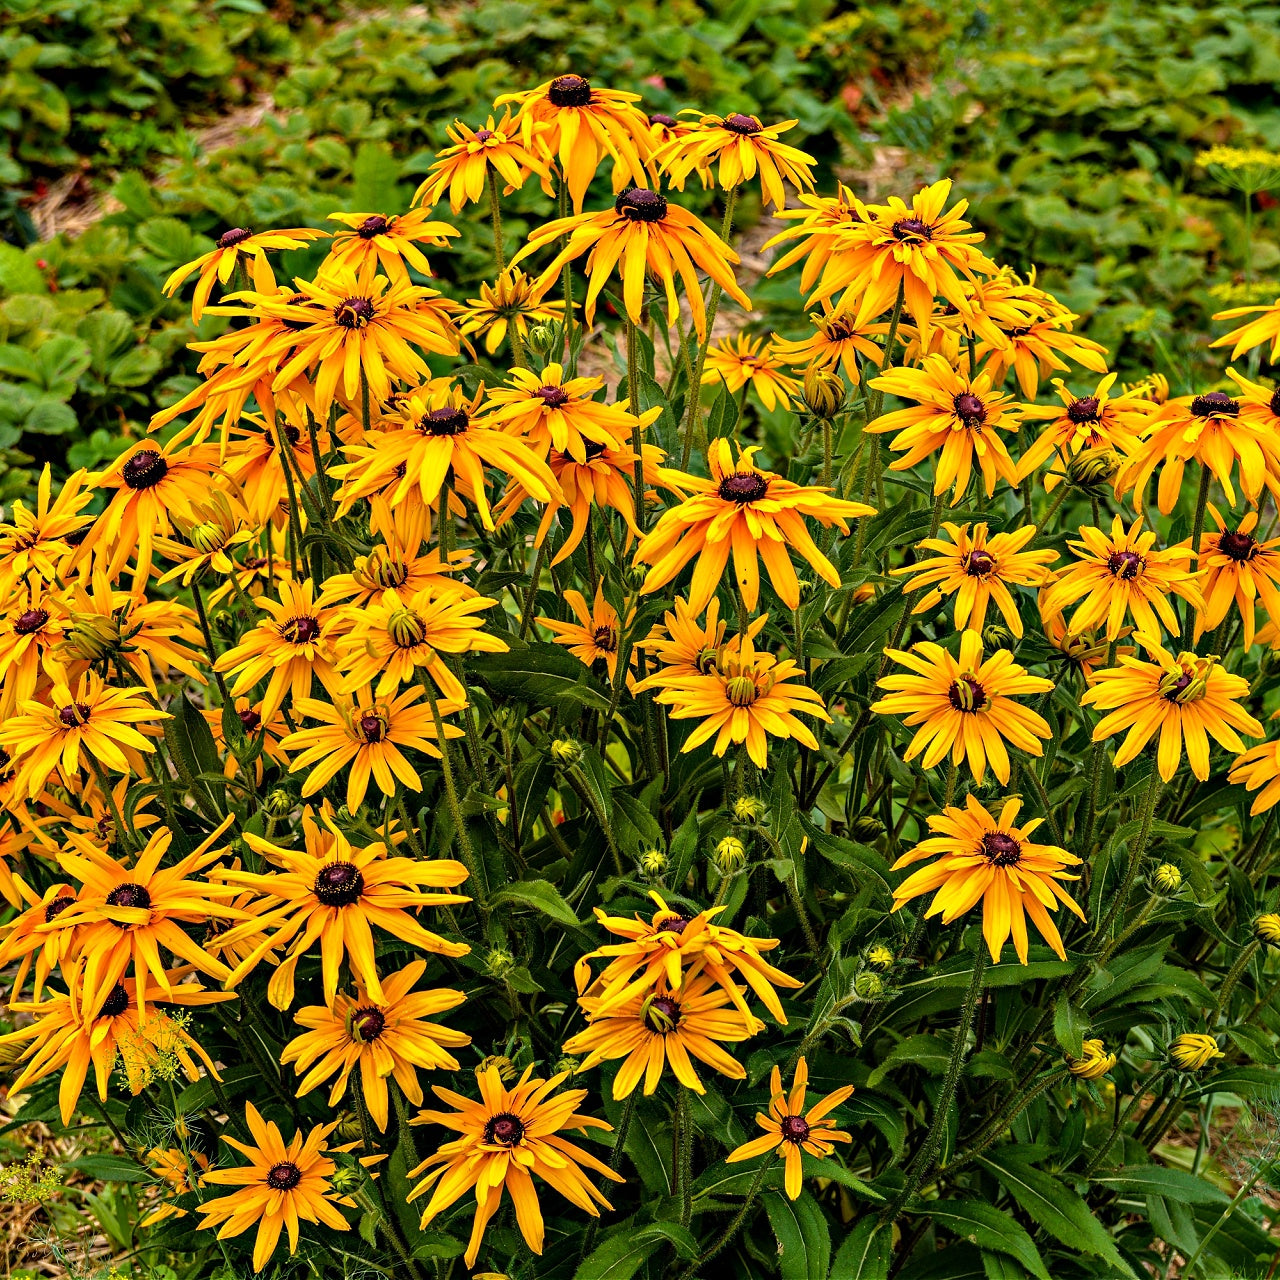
(1166, 878)
(750, 810)
(499, 962)
(543, 338)
(868, 986)
(730, 856)
(878, 956)
(279, 802)
(824, 393)
(566, 1065)
(1093, 469)
(566, 752)
(506, 1069)
(634, 575)
(865, 827)
(653, 862)
(994, 636)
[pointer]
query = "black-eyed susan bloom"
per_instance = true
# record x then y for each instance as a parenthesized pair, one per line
(1184, 699)
(737, 362)
(1094, 1061)
(983, 858)
(387, 240)
(1238, 568)
(367, 737)
(955, 416)
(504, 1140)
(964, 706)
(595, 633)
(738, 148)
(665, 1028)
(461, 171)
(513, 301)
(389, 1039)
(790, 1129)
(282, 1184)
(747, 512)
(977, 568)
(642, 234)
(1123, 575)
(837, 341)
(39, 541)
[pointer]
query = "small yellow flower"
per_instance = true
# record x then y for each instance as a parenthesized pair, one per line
(1194, 1050)
(1093, 1063)
(1167, 878)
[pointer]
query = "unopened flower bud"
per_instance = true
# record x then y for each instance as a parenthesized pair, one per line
(868, 986)
(749, 810)
(634, 576)
(653, 862)
(566, 752)
(348, 1131)
(1093, 469)
(566, 1065)
(730, 856)
(1266, 928)
(279, 802)
(405, 628)
(90, 638)
(824, 392)
(345, 1178)
(866, 827)
(1166, 878)
(994, 636)
(1194, 1050)
(1094, 1061)
(542, 339)
(499, 962)
(506, 1069)
(878, 956)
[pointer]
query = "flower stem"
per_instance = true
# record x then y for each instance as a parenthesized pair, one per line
(684, 1153)
(208, 643)
(1135, 861)
(735, 1226)
(633, 396)
(496, 215)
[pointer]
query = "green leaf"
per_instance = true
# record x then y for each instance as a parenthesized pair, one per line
(804, 1239)
(1054, 1206)
(542, 674)
(541, 896)
(924, 1051)
(816, 1168)
(62, 360)
(1159, 1180)
(723, 417)
(194, 752)
(375, 179)
(620, 1256)
(106, 1168)
(989, 1228)
(1069, 1026)
(19, 273)
(865, 1253)
(135, 368)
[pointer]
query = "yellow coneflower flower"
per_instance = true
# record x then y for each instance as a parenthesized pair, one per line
(642, 233)
(1207, 429)
(504, 1139)
(964, 706)
(215, 529)
(361, 329)
(549, 412)
(257, 468)
(1266, 928)
(747, 698)
(514, 300)
(1034, 351)
(1194, 1050)
(462, 168)
(237, 246)
(389, 641)
(70, 1036)
(365, 736)
(1096, 422)
(269, 732)
(954, 416)
(129, 912)
(1264, 328)
(595, 635)
(282, 1183)
(38, 543)
(821, 224)
(40, 934)
(106, 724)
(1236, 566)
(178, 1169)
(1124, 575)
(686, 647)
(920, 248)
(838, 341)
(1093, 1063)
(387, 240)
(393, 565)
(1258, 769)
(976, 569)
(990, 860)
(671, 946)
(1181, 698)
(1258, 403)
(152, 484)
(661, 1028)
(29, 639)
(435, 433)
(790, 1129)
(290, 648)
(756, 515)
(333, 892)
(580, 125)
(743, 148)
(742, 360)
(385, 1038)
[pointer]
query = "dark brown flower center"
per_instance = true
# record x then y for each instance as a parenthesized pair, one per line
(591, 450)
(56, 907)
(1238, 545)
(970, 410)
(1177, 687)
(77, 536)
(32, 620)
(1275, 402)
(966, 694)
(251, 720)
(905, 228)
(1083, 410)
(145, 469)
(129, 895)
(743, 487)
(376, 225)
(304, 630)
(368, 1022)
(1215, 403)
(552, 397)
(504, 1129)
(569, 91)
(1125, 565)
(353, 313)
(641, 205)
(675, 923)
(338, 884)
(794, 1129)
(373, 727)
(115, 1004)
(483, 135)
(744, 125)
(605, 638)
(662, 1015)
(237, 235)
(659, 117)
(1001, 849)
(74, 715)
(979, 563)
(449, 421)
(284, 1176)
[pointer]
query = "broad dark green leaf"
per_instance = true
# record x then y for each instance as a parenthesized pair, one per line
(989, 1228)
(865, 1252)
(1160, 1180)
(542, 674)
(541, 895)
(804, 1239)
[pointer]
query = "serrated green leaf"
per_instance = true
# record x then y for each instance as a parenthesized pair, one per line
(540, 895)
(865, 1253)
(804, 1239)
(989, 1228)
